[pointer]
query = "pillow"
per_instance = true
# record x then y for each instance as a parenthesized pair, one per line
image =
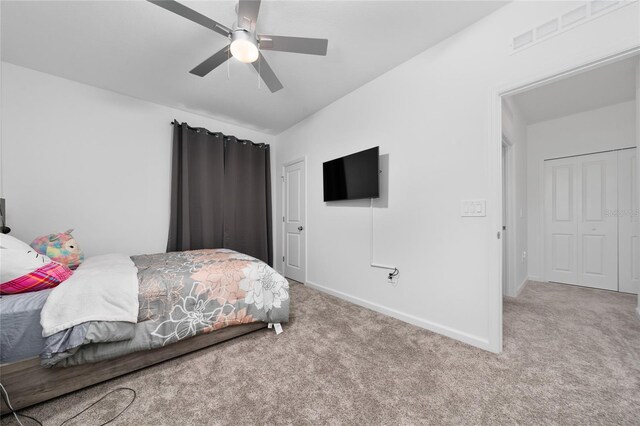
(47, 276)
(61, 248)
(15, 263)
(9, 242)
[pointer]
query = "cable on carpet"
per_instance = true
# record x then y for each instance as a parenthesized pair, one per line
(5, 397)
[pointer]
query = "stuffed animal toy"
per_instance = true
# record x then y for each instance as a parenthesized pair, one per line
(61, 248)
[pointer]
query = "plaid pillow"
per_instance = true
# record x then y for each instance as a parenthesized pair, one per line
(48, 276)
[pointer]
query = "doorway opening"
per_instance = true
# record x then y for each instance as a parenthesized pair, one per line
(570, 184)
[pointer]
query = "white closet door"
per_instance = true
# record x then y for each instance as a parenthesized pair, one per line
(581, 241)
(597, 222)
(294, 221)
(628, 221)
(561, 221)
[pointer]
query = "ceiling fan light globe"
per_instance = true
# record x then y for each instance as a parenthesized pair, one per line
(244, 51)
(244, 46)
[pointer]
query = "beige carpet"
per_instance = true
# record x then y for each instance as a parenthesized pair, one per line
(571, 356)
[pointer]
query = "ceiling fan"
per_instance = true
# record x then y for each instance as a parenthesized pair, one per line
(245, 44)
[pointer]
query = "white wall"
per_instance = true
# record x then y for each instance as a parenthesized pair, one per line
(432, 115)
(602, 129)
(638, 137)
(514, 129)
(75, 156)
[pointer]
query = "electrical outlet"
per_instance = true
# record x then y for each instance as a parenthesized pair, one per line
(524, 256)
(392, 277)
(393, 280)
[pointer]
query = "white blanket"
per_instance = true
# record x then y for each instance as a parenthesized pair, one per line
(103, 288)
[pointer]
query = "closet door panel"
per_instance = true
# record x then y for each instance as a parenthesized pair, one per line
(597, 222)
(561, 220)
(581, 233)
(628, 221)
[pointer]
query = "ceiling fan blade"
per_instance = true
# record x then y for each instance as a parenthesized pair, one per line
(192, 15)
(248, 14)
(212, 62)
(267, 74)
(309, 46)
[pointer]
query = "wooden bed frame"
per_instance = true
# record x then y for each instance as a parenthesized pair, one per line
(27, 383)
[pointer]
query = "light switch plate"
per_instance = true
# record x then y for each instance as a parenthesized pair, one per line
(473, 208)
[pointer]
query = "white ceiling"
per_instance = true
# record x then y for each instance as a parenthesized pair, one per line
(600, 87)
(139, 49)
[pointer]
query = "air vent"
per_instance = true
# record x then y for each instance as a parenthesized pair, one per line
(523, 39)
(598, 6)
(576, 15)
(547, 28)
(587, 11)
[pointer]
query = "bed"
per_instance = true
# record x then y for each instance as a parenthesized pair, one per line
(185, 301)
(24, 336)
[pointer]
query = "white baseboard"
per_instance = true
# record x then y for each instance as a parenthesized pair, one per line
(535, 278)
(516, 292)
(411, 319)
(521, 286)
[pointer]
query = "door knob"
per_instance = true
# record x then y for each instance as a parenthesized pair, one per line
(300, 228)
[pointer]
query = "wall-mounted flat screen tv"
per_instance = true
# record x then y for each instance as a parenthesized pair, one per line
(352, 177)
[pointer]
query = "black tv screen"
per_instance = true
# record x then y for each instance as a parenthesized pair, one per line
(352, 177)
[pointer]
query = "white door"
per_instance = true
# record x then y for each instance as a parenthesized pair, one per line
(561, 220)
(581, 244)
(628, 221)
(505, 210)
(597, 222)
(294, 221)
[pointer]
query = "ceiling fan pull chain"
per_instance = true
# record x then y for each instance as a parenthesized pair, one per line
(229, 59)
(259, 74)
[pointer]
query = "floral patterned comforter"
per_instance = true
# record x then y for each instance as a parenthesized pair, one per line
(193, 292)
(181, 295)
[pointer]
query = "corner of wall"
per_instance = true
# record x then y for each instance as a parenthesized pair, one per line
(1, 137)
(637, 117)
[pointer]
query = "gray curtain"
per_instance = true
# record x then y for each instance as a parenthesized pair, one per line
(220, 193)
